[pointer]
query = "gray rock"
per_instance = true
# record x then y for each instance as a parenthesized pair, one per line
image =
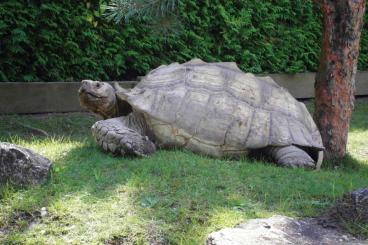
(281, 230)
(43, 212)
(22, 166)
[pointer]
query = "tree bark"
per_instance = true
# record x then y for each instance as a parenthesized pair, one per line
(335, 79)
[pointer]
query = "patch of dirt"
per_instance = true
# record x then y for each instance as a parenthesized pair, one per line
(20, 220)
(352, 208)
(153, 237)
(118, 240)
(123, 240)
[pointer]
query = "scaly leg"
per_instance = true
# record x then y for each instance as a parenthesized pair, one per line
(290, 156)
(116, 135)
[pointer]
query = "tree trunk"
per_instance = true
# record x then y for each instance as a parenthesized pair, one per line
(335, 79)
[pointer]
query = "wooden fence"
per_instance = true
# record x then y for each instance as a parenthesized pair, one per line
(20, 98)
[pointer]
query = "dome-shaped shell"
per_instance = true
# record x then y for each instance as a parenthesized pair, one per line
(219, 106)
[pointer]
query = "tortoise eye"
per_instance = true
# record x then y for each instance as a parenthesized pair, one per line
(98, 85)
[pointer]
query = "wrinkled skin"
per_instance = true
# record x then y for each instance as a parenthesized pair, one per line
(98, 97)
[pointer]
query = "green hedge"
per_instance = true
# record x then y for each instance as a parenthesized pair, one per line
(70, 40)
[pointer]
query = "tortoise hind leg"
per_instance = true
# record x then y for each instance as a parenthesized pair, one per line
(114, 135)
(290, 156)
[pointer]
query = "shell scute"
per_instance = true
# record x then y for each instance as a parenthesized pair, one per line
(192, 106)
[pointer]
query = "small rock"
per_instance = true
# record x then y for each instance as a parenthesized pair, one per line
(43, 212)
(32, 225)
(22, 166)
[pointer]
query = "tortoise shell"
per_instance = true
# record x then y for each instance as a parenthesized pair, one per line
(217, 109)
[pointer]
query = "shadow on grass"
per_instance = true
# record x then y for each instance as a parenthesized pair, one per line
(191, 194)
(348, 164)
(42, 125)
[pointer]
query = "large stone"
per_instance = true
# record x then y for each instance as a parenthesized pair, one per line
(281, 230)
(22, 166)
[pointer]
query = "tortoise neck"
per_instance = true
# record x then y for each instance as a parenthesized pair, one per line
(137, 121)
(111, 112)
(122, 108)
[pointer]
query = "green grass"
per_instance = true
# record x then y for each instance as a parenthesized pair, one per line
(170, 197)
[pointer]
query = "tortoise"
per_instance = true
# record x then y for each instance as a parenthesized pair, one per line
(208, 108)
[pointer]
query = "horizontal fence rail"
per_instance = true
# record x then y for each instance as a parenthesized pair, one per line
(38, 97)
(301, 85)
(35, 97)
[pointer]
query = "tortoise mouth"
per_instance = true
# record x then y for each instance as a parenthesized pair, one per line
(95, 95)
(92, 95)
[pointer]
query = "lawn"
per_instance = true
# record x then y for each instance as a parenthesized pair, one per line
(171, 197)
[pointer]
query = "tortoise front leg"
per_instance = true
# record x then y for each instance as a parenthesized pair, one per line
(115, 136)
(290, 156)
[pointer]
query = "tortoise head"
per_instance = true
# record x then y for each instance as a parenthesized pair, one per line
(98, 97)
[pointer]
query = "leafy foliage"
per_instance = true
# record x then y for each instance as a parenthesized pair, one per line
(71, 40)
(52, 41)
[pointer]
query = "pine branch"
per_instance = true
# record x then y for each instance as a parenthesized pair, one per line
(161, 14)
(117, 10)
